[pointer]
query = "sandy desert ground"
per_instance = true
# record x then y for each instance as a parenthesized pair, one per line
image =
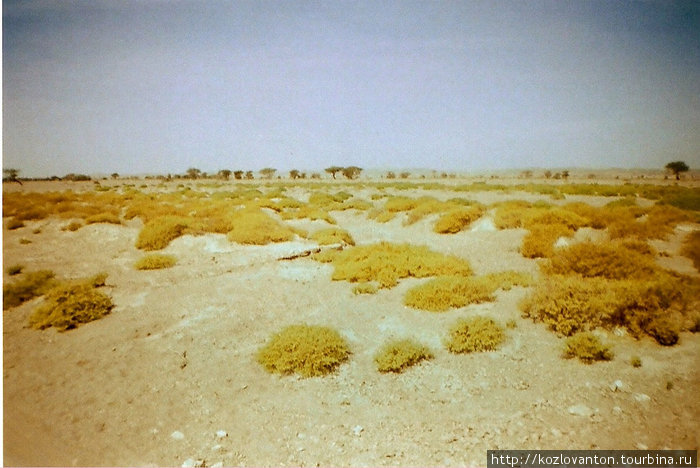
(169, 377)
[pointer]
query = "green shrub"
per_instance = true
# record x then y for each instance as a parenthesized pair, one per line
(587, 347)
(67, 306)
(510, 214)
(14, 223)
(475, 334)
(399, 355)
(155, 262)
(457, 219)
(31, 285)
(386, 263)
(304, 349)
(253, 226)
(332, 236)
(158, 232)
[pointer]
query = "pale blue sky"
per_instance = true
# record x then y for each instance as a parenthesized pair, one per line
(157, 86)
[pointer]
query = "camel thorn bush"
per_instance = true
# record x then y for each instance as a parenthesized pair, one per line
(398, 355)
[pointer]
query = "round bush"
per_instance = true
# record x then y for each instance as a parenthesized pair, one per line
(475, 334)
(398, 355)
(304, 349)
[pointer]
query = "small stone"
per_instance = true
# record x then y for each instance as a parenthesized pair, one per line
(217, 447)
(189, 463)
(580, 410)
(177, 435)
(642, 397)
(301, 435)
(221, 433)
(641, 446)
(617, 410)
(357, 430)
(555, 432)
(616, 385)
(218, 465)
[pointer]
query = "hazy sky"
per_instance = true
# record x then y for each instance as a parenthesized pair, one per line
(157, 86)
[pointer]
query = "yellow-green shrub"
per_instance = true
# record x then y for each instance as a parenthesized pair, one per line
(510, 214)
(442, 293)
(556, 216)
(457, 219)
(155, 262)
(386, 263)
(68, 305)
(304, 349)
(253, 226)
(109, 218)
(606, 260)
(587, 347)
(475, 334)
(72, 226)
(691, 248)
(158, 232)
(399, 355)
(13, 270)
(332, 236)
(539, 242)
(31, 285)
(657, 306)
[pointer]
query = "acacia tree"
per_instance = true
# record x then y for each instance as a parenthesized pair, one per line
(294, 174)
(11, 175)
(224, 174)
(193, 173)
(268, 172)
(351, 172)
(677, 167)
(333, 170)
(249, 175)
(238, 175)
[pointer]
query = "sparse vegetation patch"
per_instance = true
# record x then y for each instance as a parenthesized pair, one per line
(155, 262)
(587, 347)
(29, 286)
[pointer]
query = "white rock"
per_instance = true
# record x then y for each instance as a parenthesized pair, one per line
(189, 463)
(555, 432)
(641, 446)
(217, 447)
(580, 410)
(218, 464)
(616, 385)
(642, 397)
(177, 435)
(221, 433)
(562, 242)
(357, 430)
(617, 410)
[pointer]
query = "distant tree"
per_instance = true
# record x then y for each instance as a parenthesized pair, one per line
(294, 174)
(193, 173)
(390, 175)
(115, 175)
(238, 175)
(249, 175)
(547, 174)
(443, 175)
(315, 175)
(405, 175)
(557, 176)
(351, 172)
(76, 177)
(333, 170)
(677, 167)
(268, 172)
(11, 175)
(526, 174)
(565, 174)
(225, 174)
